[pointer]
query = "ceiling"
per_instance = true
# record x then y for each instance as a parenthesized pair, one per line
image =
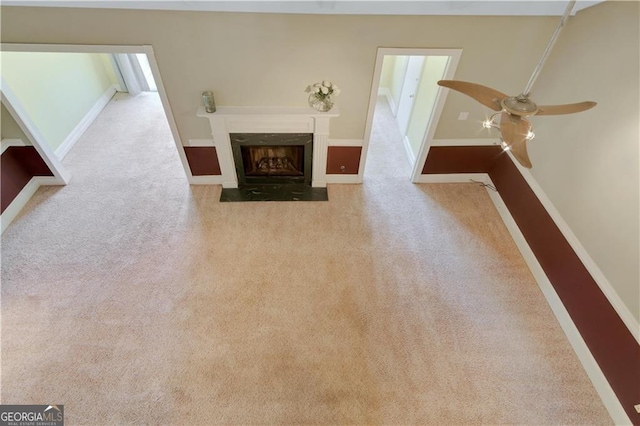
(359, 7)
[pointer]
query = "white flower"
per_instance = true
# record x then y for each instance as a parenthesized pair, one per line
(323, 89)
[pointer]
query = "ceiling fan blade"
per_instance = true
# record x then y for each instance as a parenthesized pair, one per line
(485, 95)
(514, 132)
(565, 109)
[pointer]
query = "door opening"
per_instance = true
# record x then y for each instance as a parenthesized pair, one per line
(142, 58)
(406, 103)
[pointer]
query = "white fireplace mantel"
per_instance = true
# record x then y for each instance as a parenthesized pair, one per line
(269, 120)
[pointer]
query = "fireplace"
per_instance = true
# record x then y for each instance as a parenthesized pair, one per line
(272, 158)
(275, 171)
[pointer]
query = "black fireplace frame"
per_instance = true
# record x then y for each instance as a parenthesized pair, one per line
(238, 140)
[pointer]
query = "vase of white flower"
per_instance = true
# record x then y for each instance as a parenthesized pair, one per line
(320, 95)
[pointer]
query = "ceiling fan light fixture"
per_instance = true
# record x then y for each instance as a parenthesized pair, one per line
(490, 123)
(530, 135)
(515, 130)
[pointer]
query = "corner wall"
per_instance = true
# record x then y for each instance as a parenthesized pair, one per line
(588, 163)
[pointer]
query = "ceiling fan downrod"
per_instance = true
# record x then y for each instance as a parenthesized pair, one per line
(545, 55)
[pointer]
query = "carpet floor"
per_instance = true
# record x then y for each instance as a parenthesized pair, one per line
(132, 297)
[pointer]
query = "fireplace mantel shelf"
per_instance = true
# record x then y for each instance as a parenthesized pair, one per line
(267, 111)
(227, 120)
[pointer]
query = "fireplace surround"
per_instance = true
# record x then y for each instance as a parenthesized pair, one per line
(269, 120)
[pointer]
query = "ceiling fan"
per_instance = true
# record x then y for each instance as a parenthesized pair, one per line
(510, 119)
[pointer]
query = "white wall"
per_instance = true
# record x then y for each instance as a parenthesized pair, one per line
(56, 89)
(432, 71)
(398, 73)
(386, 74)
(588, 163)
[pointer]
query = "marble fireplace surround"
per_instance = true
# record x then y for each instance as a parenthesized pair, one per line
(269, 120)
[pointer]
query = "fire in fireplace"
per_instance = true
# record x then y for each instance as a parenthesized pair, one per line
(272, 158)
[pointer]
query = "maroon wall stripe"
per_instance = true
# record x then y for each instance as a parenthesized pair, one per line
(460, 159)
(18, 165)
(608, 339)
(33, 162)
(343, 156)
(611, 343)
(203, 160)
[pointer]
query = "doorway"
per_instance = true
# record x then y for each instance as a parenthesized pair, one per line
(149, 76)
(406, 100)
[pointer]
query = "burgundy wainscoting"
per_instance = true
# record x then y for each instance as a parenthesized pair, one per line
(606, 335)
(343, 160)
(460, 159)
(18, 165)
(611, 343)
(203, 160)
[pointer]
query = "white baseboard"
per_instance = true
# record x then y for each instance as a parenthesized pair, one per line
(84, 124)
(345, 142)
(587, 360)
(464, 142)
(8, 143)
(200, 142)
(208, 180)
(407, 147)
(453, 178)
(343, 179)
(384, 91)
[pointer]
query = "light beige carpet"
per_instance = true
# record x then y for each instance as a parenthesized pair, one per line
(133, 298)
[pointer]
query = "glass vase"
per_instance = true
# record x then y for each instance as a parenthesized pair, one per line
(209, 101)
(320, 103)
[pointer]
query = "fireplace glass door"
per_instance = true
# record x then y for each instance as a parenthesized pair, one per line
(272, 158)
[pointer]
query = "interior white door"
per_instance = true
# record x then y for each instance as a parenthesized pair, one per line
(408, 93)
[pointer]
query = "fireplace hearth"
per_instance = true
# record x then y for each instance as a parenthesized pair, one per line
(273, 167)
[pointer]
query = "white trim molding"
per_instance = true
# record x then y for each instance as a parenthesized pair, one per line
(409, 151)
(384, 91)
(8, 143)
(345, 142)
(343, 179)
(462, 142)
(85, 122)
(208, 180)
(200, 143)
(454, 178)
(19, 114)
